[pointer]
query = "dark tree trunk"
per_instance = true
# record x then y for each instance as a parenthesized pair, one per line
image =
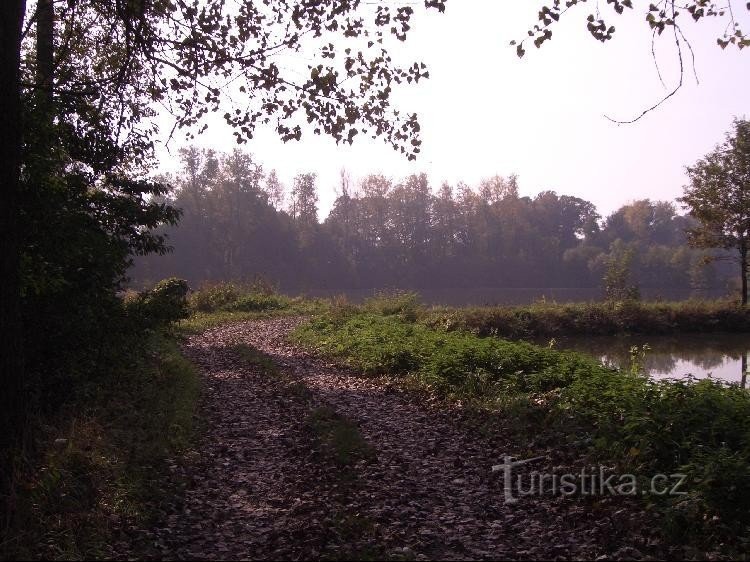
(743, 271)
(12, 402)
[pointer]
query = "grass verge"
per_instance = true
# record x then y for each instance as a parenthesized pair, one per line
(224, 303)
(643, 426)
(545, 319)
(101, 463)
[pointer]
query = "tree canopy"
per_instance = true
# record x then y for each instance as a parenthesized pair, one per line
(718, 196)
(82, 83)
(661, 16)
(247, 61)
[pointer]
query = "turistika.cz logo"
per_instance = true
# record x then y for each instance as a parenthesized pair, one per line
(590, 481)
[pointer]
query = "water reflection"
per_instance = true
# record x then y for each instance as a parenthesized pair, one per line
(721, 356)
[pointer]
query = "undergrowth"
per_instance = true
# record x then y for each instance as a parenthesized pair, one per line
(223, 303)
(697, 427)
(599, 318)
(102, 458)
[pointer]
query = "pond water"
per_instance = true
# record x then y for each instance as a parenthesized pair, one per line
(721, 356)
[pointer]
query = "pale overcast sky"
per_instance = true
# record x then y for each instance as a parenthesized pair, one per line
(484, 111)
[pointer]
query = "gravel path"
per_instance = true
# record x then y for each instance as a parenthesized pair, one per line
(258, 489)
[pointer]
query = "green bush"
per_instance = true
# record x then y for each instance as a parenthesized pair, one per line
(166, 302)
(260, 296)
(210, 298)
(157, 308)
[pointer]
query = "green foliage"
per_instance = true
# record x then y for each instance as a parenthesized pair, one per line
(230, 297)
(700, 428)
(404, 304)
(719, 197)
(452, 362)
(259, 303)
(85, 214)
(166, 302)
(212, 297)
(638, 358)
(545, 319)
(616, 278)
(258, 306)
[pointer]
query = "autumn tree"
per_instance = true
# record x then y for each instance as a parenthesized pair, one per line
(718, 196)
(445, 219)
(274, 190)
(303, 206)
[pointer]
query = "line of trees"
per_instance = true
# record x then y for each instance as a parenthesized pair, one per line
(239, 221)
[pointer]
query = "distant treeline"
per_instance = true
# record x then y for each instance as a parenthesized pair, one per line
(239, 222)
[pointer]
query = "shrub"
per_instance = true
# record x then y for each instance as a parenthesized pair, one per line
(166, 302)
(210, 298)
(155, 309)
(405, 305)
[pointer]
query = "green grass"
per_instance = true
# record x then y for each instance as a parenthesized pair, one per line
(700, 428)
(338, 438)
(103, 462)
(201, 321)
(225, 303)
(255, 357)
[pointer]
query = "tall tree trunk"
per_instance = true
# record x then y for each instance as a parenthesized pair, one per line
(12, 403)
(743, 271)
